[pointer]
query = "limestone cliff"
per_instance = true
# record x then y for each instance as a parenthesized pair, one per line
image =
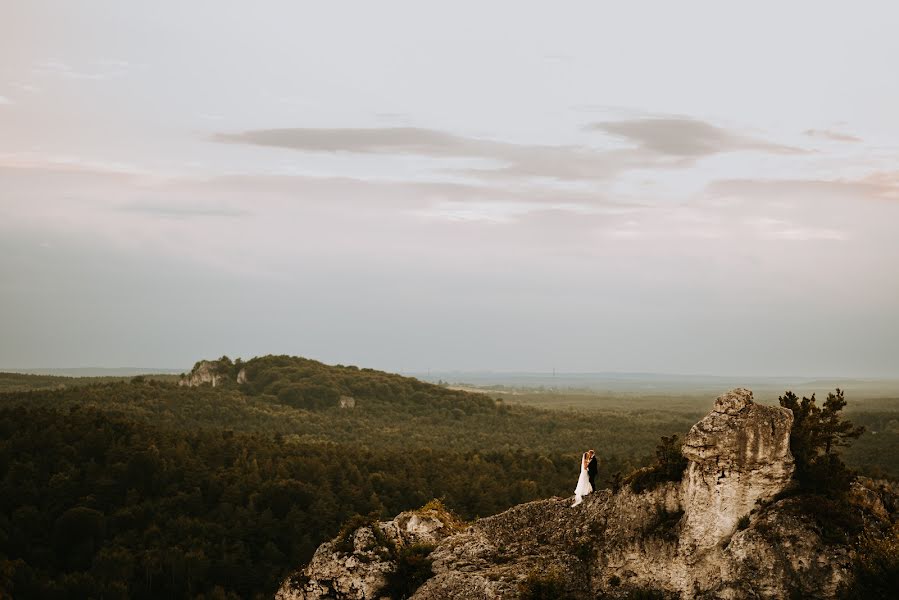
(721, 532)
(204, 372)
(213, 373)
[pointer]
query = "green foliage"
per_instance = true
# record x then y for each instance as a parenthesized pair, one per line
(838, 520)
(453, 522)
(413, 568)
(114, 502)
(543, 585)
(816, 434)
(347, 533)
(876, 567)
(669, 465)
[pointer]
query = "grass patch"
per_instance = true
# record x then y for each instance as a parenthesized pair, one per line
(543, 585)
(453, 522)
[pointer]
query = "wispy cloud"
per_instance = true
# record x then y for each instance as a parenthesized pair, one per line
(686, 137)
(5, 100)
(101, 69)
(834, 136)
(874, 186)
(387, 140)
(661, 144)
(185, 210)
(26, 87)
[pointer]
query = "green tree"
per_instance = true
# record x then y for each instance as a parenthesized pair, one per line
(816, 435)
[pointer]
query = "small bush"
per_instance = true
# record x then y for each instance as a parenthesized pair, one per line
(347, 533)
(583, 550)
(838, 520)
(453, 522)
(543, 586)
(743, 523)
(413, 568)
(875, 567)
(669, 465)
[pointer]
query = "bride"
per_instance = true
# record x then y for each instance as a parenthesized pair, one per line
(583, 483)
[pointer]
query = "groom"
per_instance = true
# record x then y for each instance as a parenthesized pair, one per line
(592, 468)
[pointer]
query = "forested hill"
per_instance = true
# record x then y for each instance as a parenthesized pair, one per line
(308, 384)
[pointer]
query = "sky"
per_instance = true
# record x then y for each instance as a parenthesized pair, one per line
(691, 187)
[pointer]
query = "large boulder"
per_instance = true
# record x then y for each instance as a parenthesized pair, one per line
(739, 456)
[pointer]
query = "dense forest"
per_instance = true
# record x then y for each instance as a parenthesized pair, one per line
(141, 488)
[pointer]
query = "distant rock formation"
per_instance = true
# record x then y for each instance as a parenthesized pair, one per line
(721, 532)
(212, 372)
(347, 402)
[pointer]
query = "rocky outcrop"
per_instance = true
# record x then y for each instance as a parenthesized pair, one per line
(347, 402)
(739, 455)
(721, 532)
(204, 373)
(213, 373)
(355, 567)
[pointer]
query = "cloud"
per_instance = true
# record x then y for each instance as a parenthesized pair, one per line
(5, 100)
(502, 159)
(104, 69)
(834, 136)
(661, 143)
(386, 140)
(874, 186)
(685, 137)
(26, 87)
(184, 210)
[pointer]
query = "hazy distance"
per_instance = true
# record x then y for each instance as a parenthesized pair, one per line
(501, 188)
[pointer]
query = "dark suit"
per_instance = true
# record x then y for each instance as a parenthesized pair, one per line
(592, 468)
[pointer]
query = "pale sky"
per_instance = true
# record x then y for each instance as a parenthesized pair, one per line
(689, 187)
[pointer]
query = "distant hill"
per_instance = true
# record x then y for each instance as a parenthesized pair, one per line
(312, 385)
(660, 383)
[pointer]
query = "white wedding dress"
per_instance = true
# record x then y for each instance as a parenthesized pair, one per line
(583, 484)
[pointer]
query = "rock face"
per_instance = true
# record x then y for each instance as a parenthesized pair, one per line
(347, 402)
(684, 539)
(204, 372)
(335, 573)
(214, 373)
(739, 454)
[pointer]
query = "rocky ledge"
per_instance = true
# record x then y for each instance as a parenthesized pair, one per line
(724, 531)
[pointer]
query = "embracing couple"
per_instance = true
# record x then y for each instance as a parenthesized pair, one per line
(586, 483)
